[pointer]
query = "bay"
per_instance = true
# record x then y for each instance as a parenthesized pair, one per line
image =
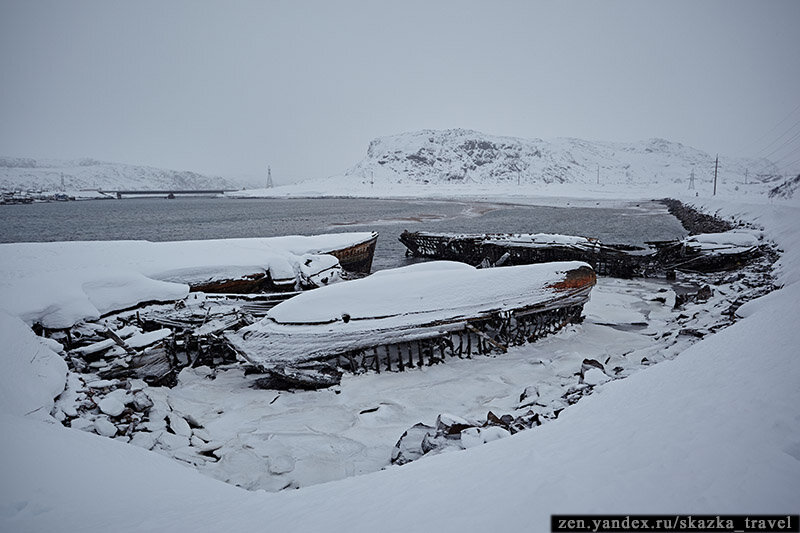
(157, 219)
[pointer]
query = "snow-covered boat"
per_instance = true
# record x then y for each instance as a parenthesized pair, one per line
(321, 263)
(416, 315)
(496, 249)
(709, 252)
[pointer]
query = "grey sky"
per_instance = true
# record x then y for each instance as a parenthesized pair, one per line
(229, 87)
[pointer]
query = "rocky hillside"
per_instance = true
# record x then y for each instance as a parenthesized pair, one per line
(465, 156)
(39, 174)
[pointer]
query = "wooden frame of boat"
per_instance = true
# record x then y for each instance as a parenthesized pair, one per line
(382, 343)
(617, 260)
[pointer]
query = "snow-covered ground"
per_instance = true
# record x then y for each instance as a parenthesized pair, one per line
(714, 427)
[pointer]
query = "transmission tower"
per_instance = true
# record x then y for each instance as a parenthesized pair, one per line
(269, 178)
(691, 181)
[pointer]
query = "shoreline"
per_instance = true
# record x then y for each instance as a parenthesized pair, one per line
(722, 411)
(679, 318)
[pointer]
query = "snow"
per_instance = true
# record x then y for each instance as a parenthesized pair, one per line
(31, 373)
(713, 430)
(111, 406)
(595, 376)
(104, 427)
(685, 423)
(140, 340)
(58, 284)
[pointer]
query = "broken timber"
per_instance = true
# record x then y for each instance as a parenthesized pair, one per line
(415, 316)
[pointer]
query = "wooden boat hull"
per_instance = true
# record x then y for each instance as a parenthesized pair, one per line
(700, 253)
(527, 249)
(452, 310)
(358, 257)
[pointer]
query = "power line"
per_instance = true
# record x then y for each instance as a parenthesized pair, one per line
(776, 126)
(777, 139)
(788, 166)
(788, 155)
(781, 147)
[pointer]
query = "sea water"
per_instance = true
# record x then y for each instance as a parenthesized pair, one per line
(158, 219)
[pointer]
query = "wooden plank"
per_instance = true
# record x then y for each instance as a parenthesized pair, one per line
(486, 337)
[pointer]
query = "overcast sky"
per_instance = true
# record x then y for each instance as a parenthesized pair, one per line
(227, 88)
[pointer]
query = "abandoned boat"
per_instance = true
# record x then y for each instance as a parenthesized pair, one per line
(320, 261)
(710, 252)
(415, 315)
(355, 257)
(496, 249)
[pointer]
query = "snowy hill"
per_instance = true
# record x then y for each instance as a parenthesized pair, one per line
(46, 174)
(465, 156)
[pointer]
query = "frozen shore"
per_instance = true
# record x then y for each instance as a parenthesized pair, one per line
(713, 430)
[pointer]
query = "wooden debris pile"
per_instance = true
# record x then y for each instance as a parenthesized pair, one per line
(155, 342)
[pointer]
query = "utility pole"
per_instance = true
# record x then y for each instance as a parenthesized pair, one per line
(598, 173)
(691, 180)
(518, 178)
(372, 180)
(269, 177)
(716, 166)
(745, 175)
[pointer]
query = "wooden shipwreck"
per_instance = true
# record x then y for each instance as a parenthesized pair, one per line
(414, 316)
(708, 252)
(357, 257)
(319, 267)
(703, 253)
